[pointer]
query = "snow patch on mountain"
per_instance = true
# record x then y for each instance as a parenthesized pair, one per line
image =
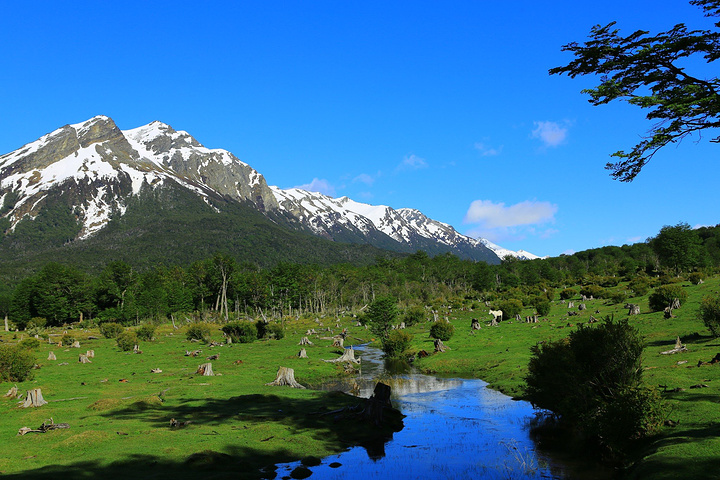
(504, 252)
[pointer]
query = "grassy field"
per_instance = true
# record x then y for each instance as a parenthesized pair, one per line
(499, 355)
(119, 412)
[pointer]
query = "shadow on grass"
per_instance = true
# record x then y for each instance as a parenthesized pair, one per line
(235, 462)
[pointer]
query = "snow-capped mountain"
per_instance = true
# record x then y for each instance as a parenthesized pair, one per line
(504, 252)
(96, 169)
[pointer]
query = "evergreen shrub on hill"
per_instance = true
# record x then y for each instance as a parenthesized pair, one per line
(16, 364)
(510, 308)
(710, 314)
(639, 286)
(594, 291)
(198, 331)
(568, 293)
(664, 295)
(242, 332)
(442, 330)
(413, 315)
(127, 341)
(111, 329)
(146, 332)
(396, 342)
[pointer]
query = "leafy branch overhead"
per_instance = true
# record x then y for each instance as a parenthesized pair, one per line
(648, 71)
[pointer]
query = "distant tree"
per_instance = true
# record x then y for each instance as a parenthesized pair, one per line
(381, 315)
(679, 247)
(649, 72)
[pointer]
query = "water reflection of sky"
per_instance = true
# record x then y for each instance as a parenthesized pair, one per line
(459, 429)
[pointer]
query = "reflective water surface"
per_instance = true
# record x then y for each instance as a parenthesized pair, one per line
(454, 428)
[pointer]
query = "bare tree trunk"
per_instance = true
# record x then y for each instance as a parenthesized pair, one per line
(7, 325)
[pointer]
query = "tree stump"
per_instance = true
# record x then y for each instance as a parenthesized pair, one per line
(34, 399)
(51, 356)
(136, 349)
(494, 322)
(205, 370)
(531, 319)
(375, 405)
(667, 313)
(302, 354)
(518, 318)
(674, 304)
(12, 393)
(285, 376)
(305, 341)
(633, 309)
(90, 354)
(439, 346)
(347, 356)
(475, 324)
(75, 344)
(592, 319)
(679, 347)
(582, 307)
(571, 304)
(338, 341)
(83, 359)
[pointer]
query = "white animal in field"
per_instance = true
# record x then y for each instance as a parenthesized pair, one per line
(496, 314)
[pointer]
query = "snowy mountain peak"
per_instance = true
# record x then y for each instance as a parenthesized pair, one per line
(504, 252)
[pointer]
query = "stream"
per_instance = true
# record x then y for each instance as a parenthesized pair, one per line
(454, 428)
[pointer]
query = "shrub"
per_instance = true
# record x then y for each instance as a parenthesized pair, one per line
(442, 330)
(639, 286)
(413, 315)
(664, 295)
(198, 331)
(36, 322)
(146, 332)
(593, 291)
(511, 308)
(111, 329)
(568, 293)
(127, 341)
(16, 364)
(695, 278)
(618, 297)
(710, 314)
(593, 378)
(242, 332)
(609, 282)
(29, 343)
(261, 326)
(276, 331)
(68, 339)
(542, 308)
(396, 342)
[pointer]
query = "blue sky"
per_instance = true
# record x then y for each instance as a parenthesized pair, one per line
(446, 107)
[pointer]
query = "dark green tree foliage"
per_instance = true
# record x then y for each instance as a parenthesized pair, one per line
(442, 330)
(511, 308)
(593, 378)
(198, 331)
(242, 332)
(111, 329)
(649, 71)
(664, 295)
(381, 316)
(679, 248)
(396, 343)
(126, 341)
(710, 314)
(16, 363)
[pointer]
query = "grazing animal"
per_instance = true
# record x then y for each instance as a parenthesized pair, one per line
(496, 314)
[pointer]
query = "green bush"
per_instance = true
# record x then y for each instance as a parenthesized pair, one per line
(695, 278)
(639, 286)
(511, 308)
(36, 322)
(413, 315)
(442, 330)
(664, 295)
(568, 293)
(593, 291)
(710, 314)
(276, 331)
(198, 331)
(593, 378)
(29, 343)
(241, 332)
(396, 342)
(127, 341)
(618, 297)
(608, 282)
(68, 339)
(111, 329)
(146, 332)
(543, 308)
(16, 364)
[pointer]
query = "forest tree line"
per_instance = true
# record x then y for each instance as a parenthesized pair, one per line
(223, 287)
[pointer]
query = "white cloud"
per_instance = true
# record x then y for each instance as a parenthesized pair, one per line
(550, 133)
(635, 239)
(412, 162)
(494, 215)
(319, 185)
(487, 151)
(366, 179)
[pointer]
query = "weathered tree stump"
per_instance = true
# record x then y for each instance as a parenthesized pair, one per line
(679, 347)
(674, 304)
(375, 405)
(193, 353)
(347, 356)
(75, 344)
(338, 341)
(475, 324)
(439, 346)
(494, 323)
(633, 309)
(285, 377)
(12, 393)
(51, 356)
(305, 341)
(205, 370)
(592, 319)
(667, 313)
(90, 354)
(155, 370)
(83, 359)
(214, 357)
(302, 354)
(34, 399)
(136, 349)
(531, 319)
(571, 304)
(582, 307)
